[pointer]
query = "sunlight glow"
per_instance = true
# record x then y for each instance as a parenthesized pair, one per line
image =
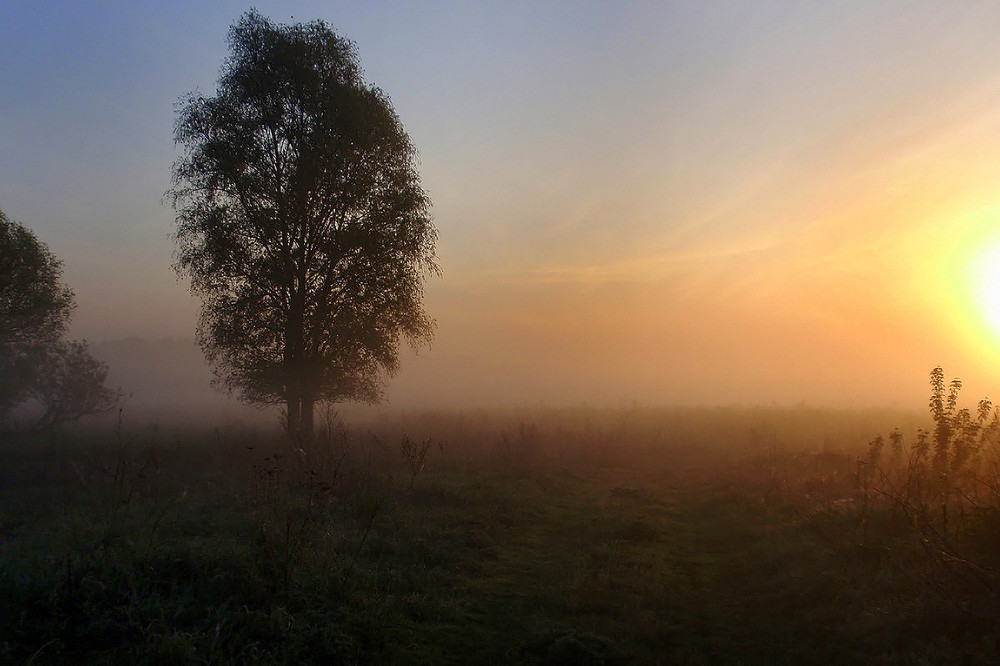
(987, 287)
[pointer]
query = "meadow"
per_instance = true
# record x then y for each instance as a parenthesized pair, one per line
(534, 536)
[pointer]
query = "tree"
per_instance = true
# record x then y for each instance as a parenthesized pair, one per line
(301, 222)
(71, 385)
(35, 310)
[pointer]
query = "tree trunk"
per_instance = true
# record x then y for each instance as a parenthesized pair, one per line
(293, 421)
(306, 419)
(293, 352)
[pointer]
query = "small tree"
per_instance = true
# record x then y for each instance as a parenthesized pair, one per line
(301, 222)
(35, 310)
(71, 385)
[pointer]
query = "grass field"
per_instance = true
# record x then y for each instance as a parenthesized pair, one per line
(539, 537)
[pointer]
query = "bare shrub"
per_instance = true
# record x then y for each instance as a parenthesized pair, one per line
(415, 454)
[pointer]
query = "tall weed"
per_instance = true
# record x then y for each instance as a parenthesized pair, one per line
(940, 487)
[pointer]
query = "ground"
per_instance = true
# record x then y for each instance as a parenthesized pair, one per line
(238, 548)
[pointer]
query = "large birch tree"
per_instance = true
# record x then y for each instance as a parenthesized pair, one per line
(301, 222)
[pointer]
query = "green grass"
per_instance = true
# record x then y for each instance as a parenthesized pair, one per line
(191, 550)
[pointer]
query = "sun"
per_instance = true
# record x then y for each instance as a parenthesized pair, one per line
(986, 287)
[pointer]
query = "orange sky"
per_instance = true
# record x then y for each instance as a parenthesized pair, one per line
(841, 277)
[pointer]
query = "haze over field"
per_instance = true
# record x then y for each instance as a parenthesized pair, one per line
(691, 203)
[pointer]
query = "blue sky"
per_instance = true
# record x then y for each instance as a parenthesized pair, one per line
(777, 200)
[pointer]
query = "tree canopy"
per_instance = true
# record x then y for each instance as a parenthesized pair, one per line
(301, 222)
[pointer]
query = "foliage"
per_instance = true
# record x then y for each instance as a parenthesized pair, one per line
(35, 362)
(301, 222)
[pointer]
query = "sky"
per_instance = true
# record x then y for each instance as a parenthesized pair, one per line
(637, 202)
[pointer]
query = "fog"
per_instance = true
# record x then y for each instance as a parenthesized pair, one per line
(167, 381)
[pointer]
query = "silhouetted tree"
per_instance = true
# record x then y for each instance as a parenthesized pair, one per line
(71, 385)
(35, 310)
(300, 222)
